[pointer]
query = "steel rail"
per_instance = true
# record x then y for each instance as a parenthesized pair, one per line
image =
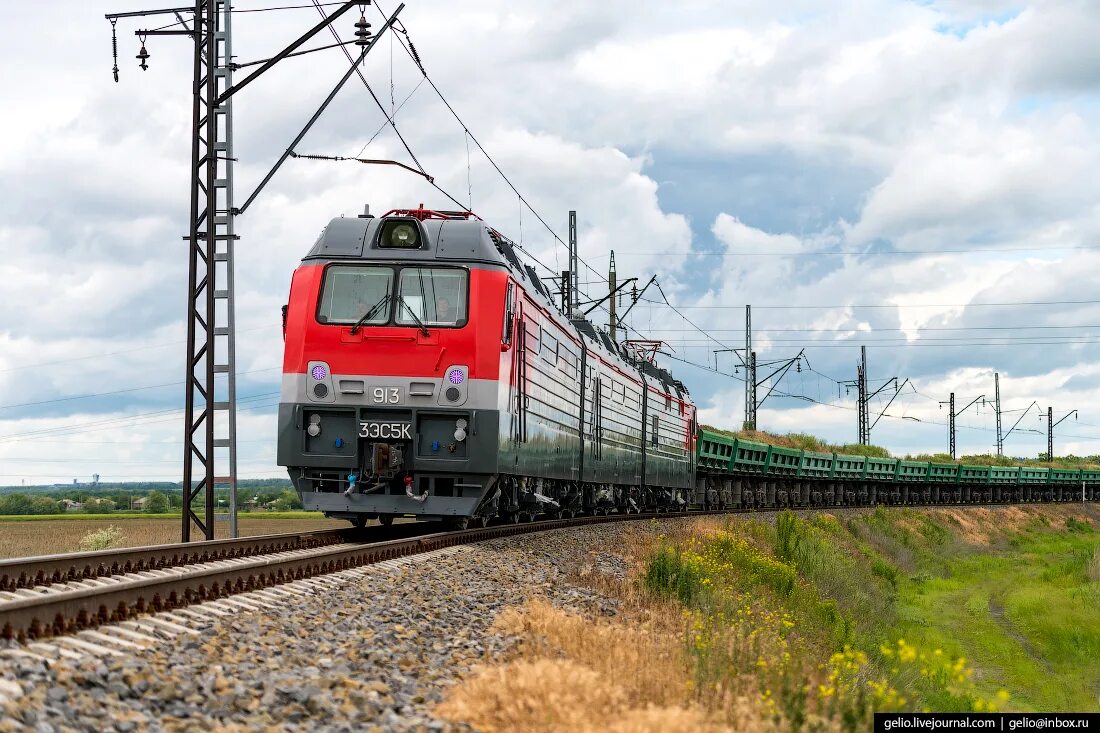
(26, 572)
(29, 572)
(52, 612)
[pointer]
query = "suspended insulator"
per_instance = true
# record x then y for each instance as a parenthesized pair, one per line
(416, 56)
(362, 31)
(143, 56)
(114, 51)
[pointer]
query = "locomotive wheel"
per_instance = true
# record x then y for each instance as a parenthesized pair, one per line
(385, 519)
(458, 524)
(479, 522)
(359, 522)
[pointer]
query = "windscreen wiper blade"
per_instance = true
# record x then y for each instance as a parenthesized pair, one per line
(370, 313)
(423, 328)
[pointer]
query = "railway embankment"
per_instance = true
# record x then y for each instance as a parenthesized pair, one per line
(374, 653)
(763, 621)
(813, 621)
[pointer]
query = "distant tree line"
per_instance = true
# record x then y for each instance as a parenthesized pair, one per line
(107, 500)
(20, 504)
(23, 504)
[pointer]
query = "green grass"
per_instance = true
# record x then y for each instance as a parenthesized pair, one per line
(76, 516)
(1022, 610)
(300, 514)
(923, 608)
(1026, 616)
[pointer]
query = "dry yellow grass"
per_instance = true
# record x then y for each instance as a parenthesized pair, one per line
(982, 526)
(46, 537)
(579, 674)
(641, 659)
(551, 695)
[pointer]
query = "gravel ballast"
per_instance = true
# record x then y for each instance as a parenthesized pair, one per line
(376, 654)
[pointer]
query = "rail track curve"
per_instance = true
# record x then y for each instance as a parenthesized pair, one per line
(100, 597)
(96, 593)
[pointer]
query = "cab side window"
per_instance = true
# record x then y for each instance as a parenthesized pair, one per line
(509, 314)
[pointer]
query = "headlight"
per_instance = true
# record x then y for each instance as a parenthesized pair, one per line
(460, 435)
(403, 235)
(314, 427)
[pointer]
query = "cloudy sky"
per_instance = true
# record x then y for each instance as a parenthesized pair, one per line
(916, 177)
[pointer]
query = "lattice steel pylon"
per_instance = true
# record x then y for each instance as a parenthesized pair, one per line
(861, 387)
(210, 394)
(751, 384)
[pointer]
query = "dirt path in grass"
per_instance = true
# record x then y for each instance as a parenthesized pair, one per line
(997, 612)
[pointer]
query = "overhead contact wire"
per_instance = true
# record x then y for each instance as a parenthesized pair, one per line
(410, 49)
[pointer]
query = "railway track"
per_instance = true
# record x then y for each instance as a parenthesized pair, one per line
(28, 572)
(85, 590)
(36, 572)
(76, 592)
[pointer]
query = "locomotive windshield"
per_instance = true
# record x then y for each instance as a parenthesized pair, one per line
(352, 292)
(364, 295)
(436, 295)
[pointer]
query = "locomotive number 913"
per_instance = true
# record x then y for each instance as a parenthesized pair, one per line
(428, 372)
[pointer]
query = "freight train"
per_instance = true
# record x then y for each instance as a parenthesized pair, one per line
(427, 372)
(738, 473)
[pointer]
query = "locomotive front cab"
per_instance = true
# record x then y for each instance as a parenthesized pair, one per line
(390, 374)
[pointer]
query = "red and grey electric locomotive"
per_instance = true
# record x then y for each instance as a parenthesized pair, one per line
(427, 372)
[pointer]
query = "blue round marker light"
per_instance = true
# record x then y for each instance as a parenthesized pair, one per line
(339, 442)
(435, 445)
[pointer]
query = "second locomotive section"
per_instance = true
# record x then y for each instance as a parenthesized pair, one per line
(428, 372)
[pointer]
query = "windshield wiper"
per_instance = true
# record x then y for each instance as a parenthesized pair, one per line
(370, 313)
(423, 328)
